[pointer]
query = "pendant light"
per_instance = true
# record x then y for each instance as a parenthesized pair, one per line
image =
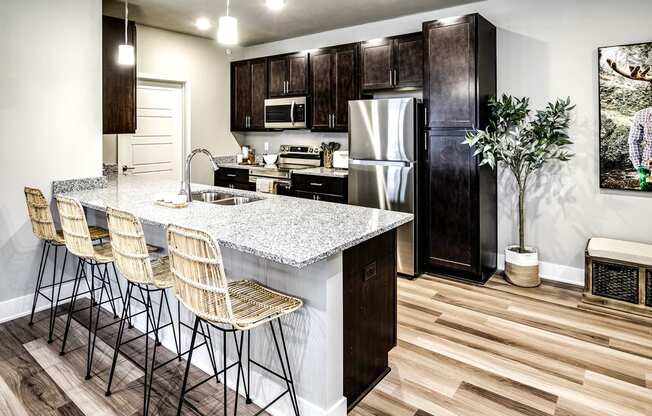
(227, 29)
(126, 53)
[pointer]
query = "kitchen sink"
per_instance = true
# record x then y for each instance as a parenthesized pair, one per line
(222, 198)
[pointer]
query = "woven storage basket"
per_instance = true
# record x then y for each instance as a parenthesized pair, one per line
(648, 285)
(615, 281)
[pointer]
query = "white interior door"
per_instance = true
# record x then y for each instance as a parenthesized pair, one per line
(157, 147)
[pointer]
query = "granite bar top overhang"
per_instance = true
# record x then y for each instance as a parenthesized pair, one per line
(291, 231)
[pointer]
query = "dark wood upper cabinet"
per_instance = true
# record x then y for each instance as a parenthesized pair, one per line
(240, 94)
(408, 60)
(395, 62)
(288, 75)
(321, 81)
(377, 64)
(333, 82)
(258, 94)
(450, 70)
(118, 81)
(459, 202)
(248, 94)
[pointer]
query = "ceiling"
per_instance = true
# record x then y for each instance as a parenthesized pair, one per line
(257, 24)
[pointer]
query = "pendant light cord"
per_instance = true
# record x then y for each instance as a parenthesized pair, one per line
(126, 20)
(228, 2)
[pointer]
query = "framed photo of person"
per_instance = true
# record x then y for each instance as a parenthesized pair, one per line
(625, 84)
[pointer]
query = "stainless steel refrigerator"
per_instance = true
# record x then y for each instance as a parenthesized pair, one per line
(383, 164)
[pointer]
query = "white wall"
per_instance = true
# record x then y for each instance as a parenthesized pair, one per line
(205, 66)
(546, 49)
(50, 116)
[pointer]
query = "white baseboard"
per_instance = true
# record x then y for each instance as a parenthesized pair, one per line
(21, 306)
(554, 272)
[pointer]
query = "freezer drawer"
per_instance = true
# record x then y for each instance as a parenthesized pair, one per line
(389, 186)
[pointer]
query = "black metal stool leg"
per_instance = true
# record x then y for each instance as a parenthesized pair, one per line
(39, 279)
(293, 393)
(285, 376)
(239, 370)
(110, 291)
(239, 347)
(150, 320)
(185, 376)
(121, 328)
(117, 281)
(53, 316)
(177, 341)
(158, 319)
(148, 388)
(54, 283)
(209, 347)
(248, 399)
(92, 332)
(146, 299)
(71, 308)
(225, 370)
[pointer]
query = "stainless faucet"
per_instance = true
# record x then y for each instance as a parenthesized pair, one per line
(185, 183)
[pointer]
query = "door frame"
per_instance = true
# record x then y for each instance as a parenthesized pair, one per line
(185, 110)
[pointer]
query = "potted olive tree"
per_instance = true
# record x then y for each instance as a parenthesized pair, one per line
(523, 143)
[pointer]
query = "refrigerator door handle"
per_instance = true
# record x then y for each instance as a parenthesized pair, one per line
(380, 162)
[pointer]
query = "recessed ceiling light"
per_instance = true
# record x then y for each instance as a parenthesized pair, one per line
(275, 4)
(203, 23)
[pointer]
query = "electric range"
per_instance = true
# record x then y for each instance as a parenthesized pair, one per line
(290, 158)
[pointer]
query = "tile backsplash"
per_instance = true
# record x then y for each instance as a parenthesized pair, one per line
(292, 137)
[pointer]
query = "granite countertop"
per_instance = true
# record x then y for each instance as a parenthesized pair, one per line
(337, 173)
(291, 231)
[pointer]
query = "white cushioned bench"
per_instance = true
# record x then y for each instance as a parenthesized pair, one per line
(618, 275)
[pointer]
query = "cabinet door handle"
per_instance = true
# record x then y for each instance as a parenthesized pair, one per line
(316, 184)
(231, 175)
(333, 120)
(317, 197)
(391, 77)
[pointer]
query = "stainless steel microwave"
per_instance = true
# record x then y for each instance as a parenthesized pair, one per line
(286, 113)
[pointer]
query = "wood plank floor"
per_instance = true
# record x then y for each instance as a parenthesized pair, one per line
(464, 350)
(36, 381)
(467, 350)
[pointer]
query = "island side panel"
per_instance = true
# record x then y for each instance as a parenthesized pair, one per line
(313, 333)
(369, 301)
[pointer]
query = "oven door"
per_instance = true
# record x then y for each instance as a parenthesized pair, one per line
(285, 113)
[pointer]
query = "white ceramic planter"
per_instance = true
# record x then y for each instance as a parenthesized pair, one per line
(522, 269)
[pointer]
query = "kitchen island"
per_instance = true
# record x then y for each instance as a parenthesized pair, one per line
(340, 259)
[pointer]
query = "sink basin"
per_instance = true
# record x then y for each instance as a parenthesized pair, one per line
(236, 200)
(222, 198)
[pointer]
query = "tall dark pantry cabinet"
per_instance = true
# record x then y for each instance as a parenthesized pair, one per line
(459, 204)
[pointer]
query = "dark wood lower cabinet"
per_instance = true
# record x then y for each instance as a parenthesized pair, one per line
(320, 188)
(369, 313)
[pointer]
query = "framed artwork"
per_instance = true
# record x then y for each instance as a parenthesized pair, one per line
(625, 84)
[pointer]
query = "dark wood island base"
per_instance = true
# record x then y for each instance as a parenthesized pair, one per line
(369, 314)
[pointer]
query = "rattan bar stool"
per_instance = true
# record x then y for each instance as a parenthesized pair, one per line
(97, 258)
(200, 284)
(43, 227)
(133, 261)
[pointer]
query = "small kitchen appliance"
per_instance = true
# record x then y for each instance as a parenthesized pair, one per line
(286, 113)
(341, 159)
